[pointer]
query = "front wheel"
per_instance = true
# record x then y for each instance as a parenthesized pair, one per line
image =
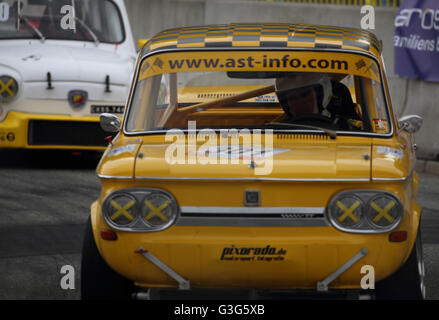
(98, 280)
(408, 282)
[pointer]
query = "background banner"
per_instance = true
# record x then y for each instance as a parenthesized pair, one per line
(417, 40)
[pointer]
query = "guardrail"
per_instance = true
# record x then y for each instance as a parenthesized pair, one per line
(377, 3)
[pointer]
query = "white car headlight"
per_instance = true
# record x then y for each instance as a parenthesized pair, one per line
(8, 88)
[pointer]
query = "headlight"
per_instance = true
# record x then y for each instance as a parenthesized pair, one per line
(8, 88)
(157, 209)
(121, 209)
(365, 211)
(140, 210)
(384, 211)
(348, 211)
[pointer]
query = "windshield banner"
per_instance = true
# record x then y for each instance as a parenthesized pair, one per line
(417, 40)
(301, 61)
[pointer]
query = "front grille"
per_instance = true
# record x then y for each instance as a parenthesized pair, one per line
(252, 216)
(66, 133)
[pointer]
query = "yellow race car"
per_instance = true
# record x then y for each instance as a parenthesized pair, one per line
(259, 157)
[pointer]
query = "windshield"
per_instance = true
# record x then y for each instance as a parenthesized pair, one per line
(91, 20)
(280, 90)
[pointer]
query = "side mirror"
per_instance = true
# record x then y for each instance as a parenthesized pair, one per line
(411, 123)
(109, 122)
(141, 43)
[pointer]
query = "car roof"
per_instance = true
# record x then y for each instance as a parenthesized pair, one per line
(264, 36)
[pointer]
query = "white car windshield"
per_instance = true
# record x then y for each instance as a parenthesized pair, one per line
(91, 20)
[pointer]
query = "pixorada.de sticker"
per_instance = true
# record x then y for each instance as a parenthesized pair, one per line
(267, 253)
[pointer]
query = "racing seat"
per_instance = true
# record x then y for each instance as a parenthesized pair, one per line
(342, 106)
(341, 102)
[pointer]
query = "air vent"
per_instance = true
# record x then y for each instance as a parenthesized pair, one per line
(252, 216)
(301, 136)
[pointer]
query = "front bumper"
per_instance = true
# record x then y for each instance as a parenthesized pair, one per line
(47, 131)
(269, 258)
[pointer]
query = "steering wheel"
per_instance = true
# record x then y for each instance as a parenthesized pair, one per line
(312, 116)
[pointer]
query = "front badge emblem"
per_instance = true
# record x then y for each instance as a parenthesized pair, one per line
(77, 98)
(251, 198)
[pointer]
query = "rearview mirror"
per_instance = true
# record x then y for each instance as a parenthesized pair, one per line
(109, 122)
(411, 123)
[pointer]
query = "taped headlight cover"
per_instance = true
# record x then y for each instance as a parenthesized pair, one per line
(150, 209)
(365, 211)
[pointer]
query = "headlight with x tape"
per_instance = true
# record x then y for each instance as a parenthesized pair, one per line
(140, 210)
(8, 88)
(365, 211)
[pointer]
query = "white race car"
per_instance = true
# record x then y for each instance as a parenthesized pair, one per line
(62, 63)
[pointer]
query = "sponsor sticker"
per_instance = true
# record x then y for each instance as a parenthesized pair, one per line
(390, 152)
(380, 125)
(241, 152)
(267, 253)
(123, 149)
(280, 61)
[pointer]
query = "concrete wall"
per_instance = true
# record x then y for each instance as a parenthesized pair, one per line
(148, 17)
(408, 96)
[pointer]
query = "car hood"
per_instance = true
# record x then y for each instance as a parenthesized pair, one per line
(32, 62)
(326, 159)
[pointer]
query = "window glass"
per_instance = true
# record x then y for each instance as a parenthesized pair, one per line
(93, 20)
(342, 99)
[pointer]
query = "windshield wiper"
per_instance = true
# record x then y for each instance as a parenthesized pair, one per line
(34, 29)
(330, 133)
(92, 34)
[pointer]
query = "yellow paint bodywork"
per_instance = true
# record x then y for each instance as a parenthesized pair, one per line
(194, 252)
(141, 43)
(18, 124)
(312, 252)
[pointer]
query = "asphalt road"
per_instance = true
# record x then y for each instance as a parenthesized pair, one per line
(44, 203)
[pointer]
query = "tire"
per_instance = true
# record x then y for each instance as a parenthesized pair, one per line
(98, 280)
(408, 282)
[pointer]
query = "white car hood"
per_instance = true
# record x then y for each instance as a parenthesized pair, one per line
(67, 63)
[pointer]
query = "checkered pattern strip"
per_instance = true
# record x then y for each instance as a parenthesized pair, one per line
(264, 35)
